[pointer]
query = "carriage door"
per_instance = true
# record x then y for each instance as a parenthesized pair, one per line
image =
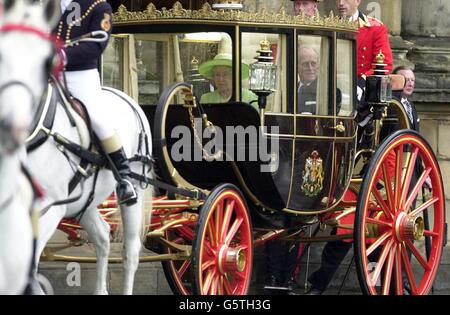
(324, 127)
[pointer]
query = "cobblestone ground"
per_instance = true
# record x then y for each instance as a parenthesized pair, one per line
(73, 278)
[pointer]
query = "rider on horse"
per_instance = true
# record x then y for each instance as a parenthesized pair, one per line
(83, 80)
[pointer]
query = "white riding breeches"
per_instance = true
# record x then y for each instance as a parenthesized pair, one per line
(85, 85)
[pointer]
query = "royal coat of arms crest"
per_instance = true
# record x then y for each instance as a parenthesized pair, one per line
(312, 175)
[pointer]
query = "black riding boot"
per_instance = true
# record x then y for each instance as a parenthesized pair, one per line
(126, 192)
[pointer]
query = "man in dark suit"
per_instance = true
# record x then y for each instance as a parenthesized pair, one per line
(405, 99)
(308, 71)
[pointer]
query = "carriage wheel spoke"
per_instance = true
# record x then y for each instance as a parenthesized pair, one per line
(211, 234)
(218, 221)
(220, 288)
(208, 263)
(424, 206)
(184, 266)
(215, 284)
(398, 175)
(417, 254)
(377, 243)
(378, 222)
(380, 263)
(208, 281)
(226, 285)
(233, 230)
(398, 271)
(209, 250)
(417, 187)
(240, 275)
(226, 220)
(388, 187)
(243, 246)
(408, 174)
(387, 212)
(409, 273)
(388, 271)
(430, 233)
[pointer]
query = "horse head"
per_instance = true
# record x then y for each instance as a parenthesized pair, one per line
(26, 51)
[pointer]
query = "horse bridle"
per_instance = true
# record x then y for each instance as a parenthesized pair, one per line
(56, 44)
(57, 47)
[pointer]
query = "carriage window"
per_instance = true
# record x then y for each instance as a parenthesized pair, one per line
(143, 65)
(276, 102)
(112, 71)
(167, 58)
(344, 78)
(312, 75)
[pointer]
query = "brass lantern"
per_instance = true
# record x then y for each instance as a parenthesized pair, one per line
(263, 74)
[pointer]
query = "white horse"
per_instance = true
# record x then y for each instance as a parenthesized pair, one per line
(54, 170)
(16, 195)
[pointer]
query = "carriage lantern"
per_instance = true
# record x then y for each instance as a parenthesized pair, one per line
(378, 86)
(263, 74)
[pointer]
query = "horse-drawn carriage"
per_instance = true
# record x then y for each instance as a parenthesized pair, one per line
(233, 172)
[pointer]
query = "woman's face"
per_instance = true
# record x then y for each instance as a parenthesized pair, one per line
(223, 79)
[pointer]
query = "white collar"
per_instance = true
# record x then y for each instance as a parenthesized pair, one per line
(355, 16)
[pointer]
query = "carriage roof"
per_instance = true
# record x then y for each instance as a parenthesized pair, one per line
(207, 15)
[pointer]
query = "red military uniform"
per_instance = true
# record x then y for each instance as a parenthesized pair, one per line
(372, 37)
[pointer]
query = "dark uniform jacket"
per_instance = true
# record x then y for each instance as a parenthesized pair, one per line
(94, 16)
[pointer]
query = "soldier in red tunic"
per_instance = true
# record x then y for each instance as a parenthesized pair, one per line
(372, 37)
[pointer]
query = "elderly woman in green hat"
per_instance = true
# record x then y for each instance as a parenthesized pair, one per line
(219, 71)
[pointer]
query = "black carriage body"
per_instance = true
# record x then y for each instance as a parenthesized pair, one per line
(315, 151)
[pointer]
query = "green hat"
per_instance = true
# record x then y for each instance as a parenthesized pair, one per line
(224, 60)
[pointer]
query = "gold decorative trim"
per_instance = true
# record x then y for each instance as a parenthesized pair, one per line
(123, 16)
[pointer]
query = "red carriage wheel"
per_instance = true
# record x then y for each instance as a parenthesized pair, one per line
(179, 273)
(223, 252)
(400, 219)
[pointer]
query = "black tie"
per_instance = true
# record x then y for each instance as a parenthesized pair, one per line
(408, 107)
